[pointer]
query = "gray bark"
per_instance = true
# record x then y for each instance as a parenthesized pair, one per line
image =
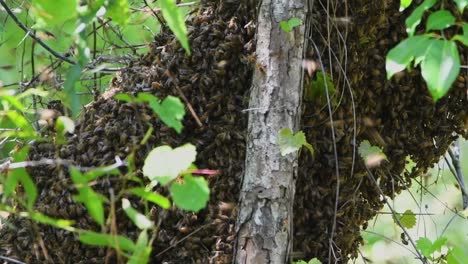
(265, 218)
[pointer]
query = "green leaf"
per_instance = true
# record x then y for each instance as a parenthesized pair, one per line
(142, 250)
(463, 38)
(315, 261)
(171, 111)
(100, 171)
(119, 11)
(48, 14)
(317, 90)
(399, 57)
(164, 164)
(415, 18)
(289, 25)
(92, 201)
(372, 155)
(457, 256)
(425, 246)
(439, 20)
(461, 4)
(44, 219)
(140, 220)
(153, 197)
(12, 100)
(105, 240)
(404, 4)
(289, 143)
(440, 67)
(124, 97)
(407, 219)
(437, 245)
(25, 128)
(71, 97)
(192, 194)
(175, 20)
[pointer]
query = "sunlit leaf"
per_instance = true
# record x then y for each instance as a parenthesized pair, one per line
(289, 143)
(175, 20)
(142, 250)
(164, 164)
(152, 197)
(461, 4)
(457, 256)
(140, 220)
(171, 111)
(289, 25)
(44, 219)
(191, 194)
(407, 219)
(415, 18)
(440, 67)
(404, 4)
(439, 20)
(427, 248)
(71, 97)
(105, 240)
(119, 11)
(399, 57)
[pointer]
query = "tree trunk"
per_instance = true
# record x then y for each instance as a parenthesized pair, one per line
(265, 217)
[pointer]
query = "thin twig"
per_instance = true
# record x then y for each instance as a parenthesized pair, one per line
(455, 156)
(182, 240)
(11, 260)
(23, 164)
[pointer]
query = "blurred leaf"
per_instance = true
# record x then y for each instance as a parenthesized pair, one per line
(44, 219)
(92, 201)
(427, 248)
(415, 18)
(372, 155)
(171, 111)
(439, 20)
(404, 4)
(191, 194)
(140, 220)
(400, 57)
(71, 97)
(289, 143)
(461, 4)
(457, 256)
(119, 11)
(317, 90)
(175, 20)
(407, 219)
(12, 100)
(440, 67)
(25, 131)
(100, 171)
(289, 25)
(142, 250)
(463, 38)
(164, 164)
(103, 240)
(124, 97)
(152, 197)
(314, 261)
(48, 14)
(63, 125)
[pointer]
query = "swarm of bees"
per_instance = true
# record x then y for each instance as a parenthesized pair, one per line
(397, 115)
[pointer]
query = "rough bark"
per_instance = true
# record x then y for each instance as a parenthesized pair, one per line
(265, 217)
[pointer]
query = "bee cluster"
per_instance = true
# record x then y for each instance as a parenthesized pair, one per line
(215, 81)
(397, 115)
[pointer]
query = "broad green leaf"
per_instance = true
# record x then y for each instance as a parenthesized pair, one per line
(314, 261)
(438, 243)
(51, 13)
(407, 219)
(175, 20)
(457, 256)
(171, 112)
(439, 20)
(44, 219)
(142, 250)
(140, 220)
(119, 11)
(153, 197)
(105, 240)
(63, 125)
(461, 4)
(399, 57)
(415, 18)
(71, 97)
(191, 194)
(425, 246)
(124, 97)
(164, 164)
(440, 67)
(289, 143)
(463, 38)
(289, 25)
(404, 4)
(92, 200)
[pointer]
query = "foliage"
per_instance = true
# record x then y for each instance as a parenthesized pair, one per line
(288, 26)
(289, 143)
(312, 261)
(437, 56)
